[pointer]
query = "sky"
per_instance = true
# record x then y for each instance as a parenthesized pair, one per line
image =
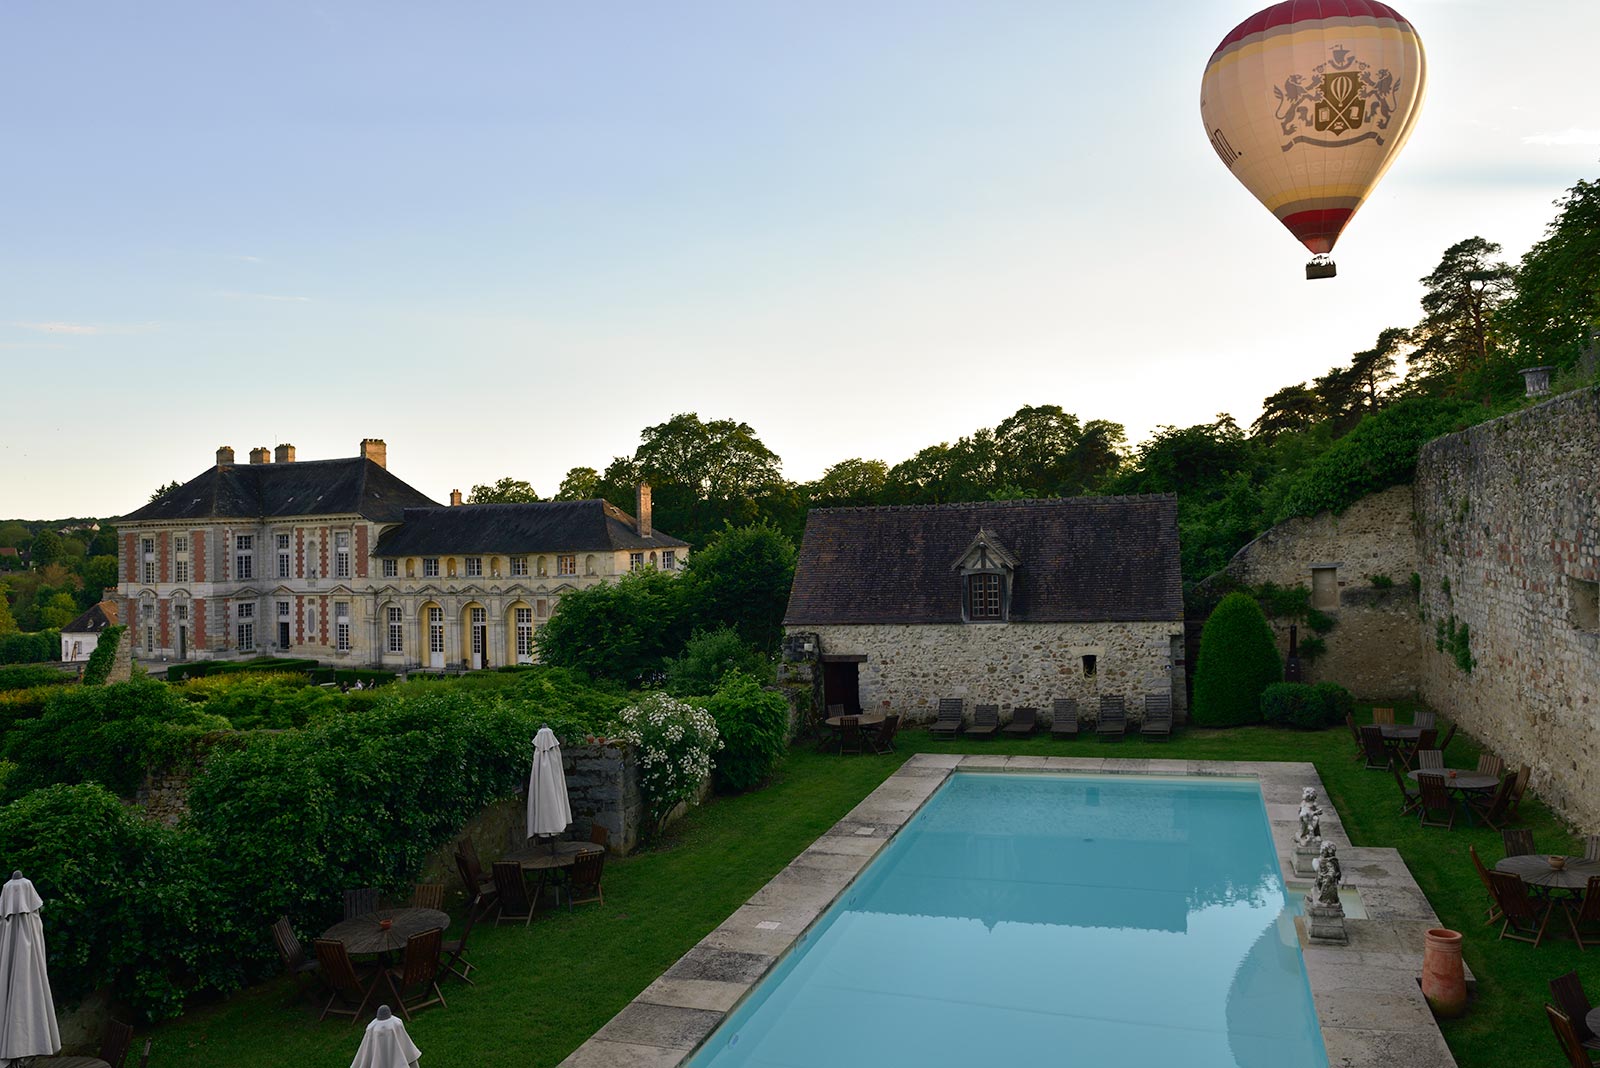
(505, 237)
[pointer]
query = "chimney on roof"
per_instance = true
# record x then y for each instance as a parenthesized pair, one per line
(284, 454)
(375, 450)
(263, 455)
(455, 498)
(225, 456)
(641, 509)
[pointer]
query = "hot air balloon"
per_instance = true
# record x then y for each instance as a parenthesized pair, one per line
(1307, 103)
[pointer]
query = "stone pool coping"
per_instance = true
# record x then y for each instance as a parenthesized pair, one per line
(1368, 1003)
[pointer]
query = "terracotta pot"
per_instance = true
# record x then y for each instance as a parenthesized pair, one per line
(1444, 983)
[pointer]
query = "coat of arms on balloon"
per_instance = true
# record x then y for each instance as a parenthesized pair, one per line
(1307, 103)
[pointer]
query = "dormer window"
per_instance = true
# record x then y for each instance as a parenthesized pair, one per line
(988, 574)
(983, 596)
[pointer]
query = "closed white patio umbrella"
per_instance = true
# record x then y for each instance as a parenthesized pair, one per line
(386, 1044)
(27, 1010)
(549, 811)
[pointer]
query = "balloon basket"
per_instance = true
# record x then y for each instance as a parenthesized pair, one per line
(1321, 267)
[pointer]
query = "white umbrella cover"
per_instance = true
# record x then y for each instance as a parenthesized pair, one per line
(27, 1011)
(386, 1044)
(549, 811)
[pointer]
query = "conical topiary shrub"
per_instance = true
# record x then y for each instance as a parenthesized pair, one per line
(1238, 659)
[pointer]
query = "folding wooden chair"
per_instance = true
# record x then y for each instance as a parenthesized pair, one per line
(1383, 717)
(360, 902)
(1493, 911)
(883, 738)
(1567, 1034)
(1409, 798)
(344, 981)
(453, 952)
(1567, 992)
(1518, 842)
(1521, 914)
(584, 886)
(1157, 720)
(850, 735)
(1489, 764)
(301, 969)
(418, 971)
(1438, 808)
(512, 893)
(428, 896)
(1374, 747)
(1584, 916)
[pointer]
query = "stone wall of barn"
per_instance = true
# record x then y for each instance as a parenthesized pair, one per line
(1508, 533)
(908, 668)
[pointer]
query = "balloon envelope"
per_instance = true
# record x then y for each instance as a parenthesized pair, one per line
(1308, 102)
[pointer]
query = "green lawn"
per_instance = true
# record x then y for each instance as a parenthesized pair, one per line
(541, 991)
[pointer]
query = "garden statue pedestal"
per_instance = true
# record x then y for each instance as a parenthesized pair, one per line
(1325, 923)
(1305, 859)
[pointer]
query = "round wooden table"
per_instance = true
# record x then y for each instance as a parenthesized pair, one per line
(868, 721)
(542, 856)
(1535, 870)
(1401, 733)
(364, 934)
(1465, 781)
(1593, 1019)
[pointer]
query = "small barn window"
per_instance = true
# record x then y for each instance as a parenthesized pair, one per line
(1090, 662)
(1585, 600)
(1325, 587)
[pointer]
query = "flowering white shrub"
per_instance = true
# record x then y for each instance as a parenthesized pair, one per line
(675, 741)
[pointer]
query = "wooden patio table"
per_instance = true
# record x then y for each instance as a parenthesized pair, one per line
(1535, 870)
(365, 934)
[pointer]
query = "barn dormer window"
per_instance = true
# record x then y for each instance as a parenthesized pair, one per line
(988, 576)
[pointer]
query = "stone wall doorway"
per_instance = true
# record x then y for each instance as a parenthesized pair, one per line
(841, 682)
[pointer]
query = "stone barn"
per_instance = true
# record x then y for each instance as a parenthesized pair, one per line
(997, 602)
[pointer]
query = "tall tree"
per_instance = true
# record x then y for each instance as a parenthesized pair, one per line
(46, 549)
(718, 460)
(849, 483)
(1373, 368)
(581, 484)
(161, 491)
(8, 622)
(741, 580)
(1290, 410)
(1339, 395)
(507, 490)
(1555, 314)
(1456, 338)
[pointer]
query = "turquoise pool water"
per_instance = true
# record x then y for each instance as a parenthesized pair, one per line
(1048, 920)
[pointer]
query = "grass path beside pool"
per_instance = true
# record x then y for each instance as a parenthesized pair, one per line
(542, 990)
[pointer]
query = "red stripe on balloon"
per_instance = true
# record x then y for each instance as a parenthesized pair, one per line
(1292, 11)
(1317, 230)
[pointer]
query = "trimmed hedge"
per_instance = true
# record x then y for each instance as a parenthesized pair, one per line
(1238, 660)
(1304, 706)
(31, 647)
(202, 668)
(351, 676)
(25, 676)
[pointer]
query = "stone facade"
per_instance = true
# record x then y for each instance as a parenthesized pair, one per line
(912, 666)
(1508, 532)
(1374, 647)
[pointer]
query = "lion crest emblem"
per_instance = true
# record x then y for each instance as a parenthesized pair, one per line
(1341, 102)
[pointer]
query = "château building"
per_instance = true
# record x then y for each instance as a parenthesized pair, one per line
(342, 561)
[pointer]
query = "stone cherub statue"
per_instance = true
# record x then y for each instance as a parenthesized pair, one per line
(1310, 818)
(1329, 875)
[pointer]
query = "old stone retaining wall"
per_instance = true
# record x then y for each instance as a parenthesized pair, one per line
(1508, 532)
(1374, 647)
(1009, 664)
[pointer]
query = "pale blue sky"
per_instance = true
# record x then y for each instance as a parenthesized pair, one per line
(506, 236)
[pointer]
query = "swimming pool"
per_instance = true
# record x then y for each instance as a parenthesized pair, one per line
(1048, 919)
